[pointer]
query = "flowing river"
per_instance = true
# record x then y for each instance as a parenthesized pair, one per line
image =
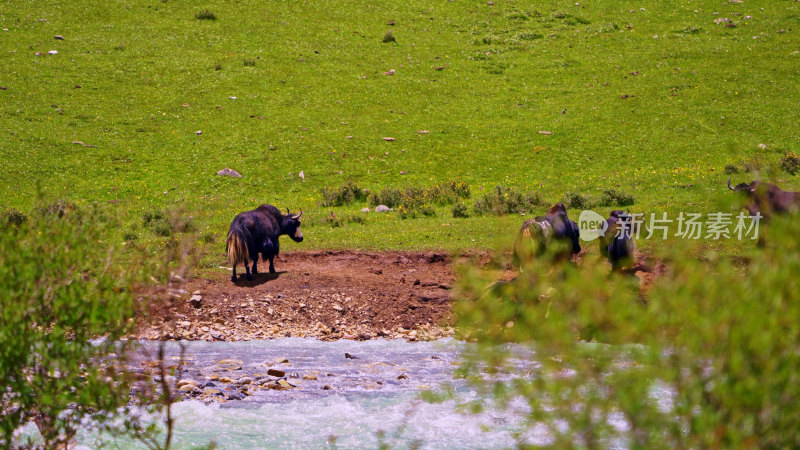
(367, 399)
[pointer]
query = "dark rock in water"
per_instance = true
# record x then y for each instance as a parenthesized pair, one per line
(276, 373)
(349, 356)
(228, 172)
(327, 387)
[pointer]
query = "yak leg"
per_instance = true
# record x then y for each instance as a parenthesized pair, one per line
(233, 277)
(271, 264)
(255, 266)
(247, 274)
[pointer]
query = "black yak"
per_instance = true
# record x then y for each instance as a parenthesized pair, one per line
(536, 235)
(257, 231)
(616, 241)
(767, 198)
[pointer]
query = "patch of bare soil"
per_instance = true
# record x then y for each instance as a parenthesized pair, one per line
(323, 294)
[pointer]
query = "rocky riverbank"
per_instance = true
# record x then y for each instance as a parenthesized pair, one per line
(327, 295)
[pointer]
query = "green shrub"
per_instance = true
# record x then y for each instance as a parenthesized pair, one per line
(165, 223)
(343, 195)
(390, 197)
(205, 15)
(575, 200)
(731, 169)
(249, 62)
(388, 37)
(336, 221)
(613, 197)
(65, 280)
(460, 210)
(502, 201)
(13, 218)
(790, 162)
(705, 358)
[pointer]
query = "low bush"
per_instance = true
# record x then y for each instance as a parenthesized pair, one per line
(460, 211)
(205, 15)
(613, 197)
(13, 218)
(790, 162)
(336, 221)
(343, 195)
(502, 201)
(731, 169)
(576, 200)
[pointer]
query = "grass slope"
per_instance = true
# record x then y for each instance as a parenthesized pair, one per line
(649, 97)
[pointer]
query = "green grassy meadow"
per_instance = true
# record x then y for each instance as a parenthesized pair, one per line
(652, 98)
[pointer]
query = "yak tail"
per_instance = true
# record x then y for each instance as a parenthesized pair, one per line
(237, 247)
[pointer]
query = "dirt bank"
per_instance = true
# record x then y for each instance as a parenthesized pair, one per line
(323, 294)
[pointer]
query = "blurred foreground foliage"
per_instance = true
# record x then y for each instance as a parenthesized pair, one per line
(706, 356)
(69, 291)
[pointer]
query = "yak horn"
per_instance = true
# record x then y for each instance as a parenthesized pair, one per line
(287, 212)
(298, 216)
(729, 184)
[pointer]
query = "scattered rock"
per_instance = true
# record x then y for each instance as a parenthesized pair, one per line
(327, 387)
(337, 308)
(244, 380)
(196, 301)
(402, 376)
(285, 384)
(52, 52)
(762, 146)
(233, 394)
(309, 377)
(58, 37)
(349, 356)
(228, 172)
(230, 364)
(365, 210)
(382, 208)
(423, 131)
(390, 72)
(276, 373)
(83, 145)
(546, 133)
(282, 361)
(198, 132)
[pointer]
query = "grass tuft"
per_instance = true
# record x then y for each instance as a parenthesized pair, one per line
(205, 15)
